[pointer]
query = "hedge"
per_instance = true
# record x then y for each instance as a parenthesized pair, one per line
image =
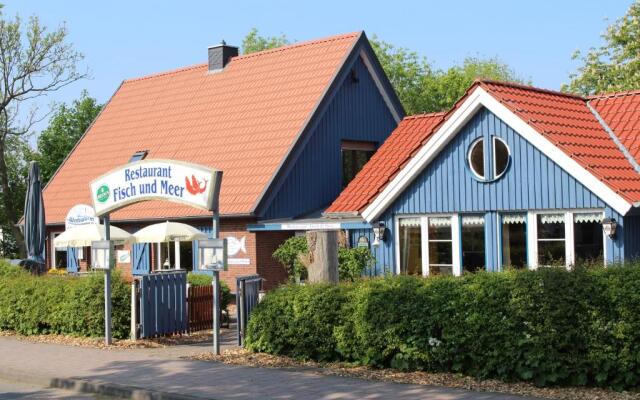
(549, 326)
(71, 305)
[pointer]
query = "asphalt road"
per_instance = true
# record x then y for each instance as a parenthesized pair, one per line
(19, 391)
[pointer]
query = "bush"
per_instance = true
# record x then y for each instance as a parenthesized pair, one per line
(548, 326)
(287, 255)
(33, 305)
(205, 280)
(352, 262)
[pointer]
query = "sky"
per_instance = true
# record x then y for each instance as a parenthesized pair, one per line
(126, 39)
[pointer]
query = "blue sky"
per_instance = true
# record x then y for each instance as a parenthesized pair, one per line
(124, 39)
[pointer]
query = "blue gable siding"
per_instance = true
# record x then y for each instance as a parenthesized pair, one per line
(357, 111)
(532, 182)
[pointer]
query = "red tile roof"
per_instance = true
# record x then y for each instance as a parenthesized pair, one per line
(242, 120)
(564, 119)
(621, 111)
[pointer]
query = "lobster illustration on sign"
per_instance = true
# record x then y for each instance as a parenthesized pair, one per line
(195, 186)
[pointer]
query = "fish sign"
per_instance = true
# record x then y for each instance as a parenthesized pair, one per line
(177, 181)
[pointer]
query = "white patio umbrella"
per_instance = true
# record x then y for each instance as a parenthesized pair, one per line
(83, 235)
(167, 232)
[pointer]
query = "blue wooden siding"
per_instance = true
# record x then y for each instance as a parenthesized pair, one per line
(631, 236)
(532, 182)
(356, 112)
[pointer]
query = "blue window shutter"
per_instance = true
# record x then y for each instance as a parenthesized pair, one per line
(195, 255)
(72, 259)
(140, 259)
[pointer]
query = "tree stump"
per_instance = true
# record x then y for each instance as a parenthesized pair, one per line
(322, 259)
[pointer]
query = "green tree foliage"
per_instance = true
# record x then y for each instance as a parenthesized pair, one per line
(352, 262)
(288, 254)
(423, 88)
(34, 62)
(548, 326)
(615, 65)
(254, 42)
(67, 125)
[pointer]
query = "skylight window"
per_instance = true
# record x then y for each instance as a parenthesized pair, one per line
(138, 155)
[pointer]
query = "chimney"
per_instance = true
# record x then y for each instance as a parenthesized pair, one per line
(220, 55)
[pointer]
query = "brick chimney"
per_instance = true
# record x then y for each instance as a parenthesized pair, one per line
(220, 55)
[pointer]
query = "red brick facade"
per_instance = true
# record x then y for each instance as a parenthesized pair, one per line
(259, 249)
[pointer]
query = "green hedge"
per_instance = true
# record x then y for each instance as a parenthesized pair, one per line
(549, 327)
(32, 305)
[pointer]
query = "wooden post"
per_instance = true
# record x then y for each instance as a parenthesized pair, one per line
(322, 260)
(134, 310)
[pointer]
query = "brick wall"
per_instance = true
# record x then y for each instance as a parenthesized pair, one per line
(272, 271)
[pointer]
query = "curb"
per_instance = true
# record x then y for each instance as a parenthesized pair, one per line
(95, 387)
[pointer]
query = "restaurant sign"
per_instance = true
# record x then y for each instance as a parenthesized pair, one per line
(191, 184)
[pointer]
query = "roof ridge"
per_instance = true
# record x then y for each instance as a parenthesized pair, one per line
(529, 87)
(163, 73)
(298, 44)
(622, 93)
(425, 115)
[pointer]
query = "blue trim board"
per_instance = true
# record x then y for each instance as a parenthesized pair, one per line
(278, 226)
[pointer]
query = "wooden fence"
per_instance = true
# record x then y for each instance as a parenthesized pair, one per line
(200, 307)
(163, 309)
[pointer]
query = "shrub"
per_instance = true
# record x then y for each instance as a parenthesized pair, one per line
(352, 262)
(549, 326)
(287, 255)
(205, 280)
(72, 305)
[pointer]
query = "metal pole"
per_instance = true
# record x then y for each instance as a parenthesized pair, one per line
(107, 287)
(216, 312)
(134, 310)
(216, 289)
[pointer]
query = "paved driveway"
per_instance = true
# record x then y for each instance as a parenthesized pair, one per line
(164, 373)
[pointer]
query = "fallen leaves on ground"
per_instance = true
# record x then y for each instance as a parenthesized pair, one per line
(244, 357)
(159, 342)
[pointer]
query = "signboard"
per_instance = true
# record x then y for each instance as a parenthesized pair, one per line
(80, 214)
(363, 241)
(302, 226)
(123, 256)
(235, 247)
(102, 254)
(176, 181)
(213, 254)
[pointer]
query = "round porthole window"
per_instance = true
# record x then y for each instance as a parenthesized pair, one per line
(500, 160)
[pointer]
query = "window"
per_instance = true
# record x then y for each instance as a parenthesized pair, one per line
(410, 246)
(501, 157)
(476, 158)
(514, 243)
(138, 155)
(473, 254)
(551, 239)
(354, 156)
(440, 246)
(587, 237)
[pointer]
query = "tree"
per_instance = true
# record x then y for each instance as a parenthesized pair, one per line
(253, 42)
(615, 65)
(67, 125)
(33, 63)
(421, 88)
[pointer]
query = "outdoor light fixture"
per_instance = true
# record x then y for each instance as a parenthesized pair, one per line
(609, 226)
(378, 233)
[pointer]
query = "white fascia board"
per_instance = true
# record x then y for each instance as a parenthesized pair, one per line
(479, 98)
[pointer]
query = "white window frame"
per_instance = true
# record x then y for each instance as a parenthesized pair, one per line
(424, 241)
(495, 161)
(569, 238)
(469, 151)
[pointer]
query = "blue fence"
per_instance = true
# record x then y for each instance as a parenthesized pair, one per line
(163, 304)
(247, 296)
